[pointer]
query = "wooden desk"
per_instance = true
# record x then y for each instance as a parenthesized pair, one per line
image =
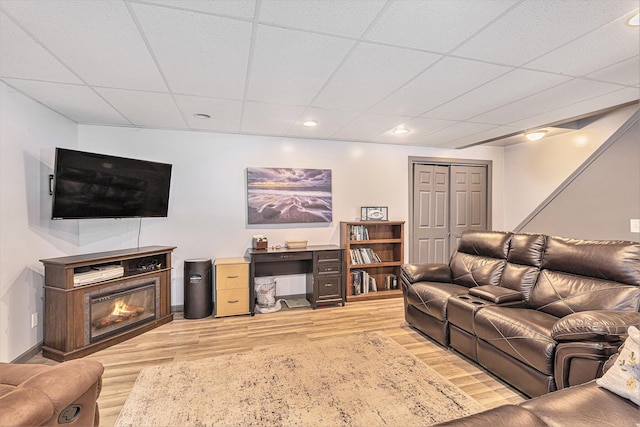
(323, 266)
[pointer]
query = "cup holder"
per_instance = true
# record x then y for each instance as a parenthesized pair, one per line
(477, 302)
(465, 297)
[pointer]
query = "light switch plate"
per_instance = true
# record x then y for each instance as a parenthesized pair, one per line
(634, 225)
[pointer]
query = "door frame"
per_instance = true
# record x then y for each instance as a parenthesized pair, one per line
(413, 160)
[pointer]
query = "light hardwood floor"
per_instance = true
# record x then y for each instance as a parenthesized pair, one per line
(185, 339)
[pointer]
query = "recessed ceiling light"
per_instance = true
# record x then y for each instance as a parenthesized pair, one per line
(400, 130)
(202, 116)
(536, 134)
(310, 123)
(634, 21)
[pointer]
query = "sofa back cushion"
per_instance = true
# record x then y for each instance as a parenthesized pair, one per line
(523, 262)
(561, 294)
(611, 260)
(480, 258)
(580, 275)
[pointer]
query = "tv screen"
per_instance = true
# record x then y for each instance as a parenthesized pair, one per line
(90, 185)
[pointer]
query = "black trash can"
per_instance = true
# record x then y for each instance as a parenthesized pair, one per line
(197, 288)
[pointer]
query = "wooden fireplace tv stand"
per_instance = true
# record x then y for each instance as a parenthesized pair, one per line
(75, 323)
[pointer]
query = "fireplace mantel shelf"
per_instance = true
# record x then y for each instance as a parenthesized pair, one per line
(67, 322)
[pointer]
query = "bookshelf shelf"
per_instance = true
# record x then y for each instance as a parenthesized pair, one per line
(363, 239)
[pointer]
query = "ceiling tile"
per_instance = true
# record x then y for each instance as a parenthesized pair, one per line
(269, 119)
(370, 73)
(148, 109)
(624, 73)
(22, 57)
(599, 49)
(418, 129)
(199, 54)
(445, 80)
(574, 91)
(474, 138)
(535, 27)
(457, 131)
(329, 122)
(290, 67)
(225, 114)
(506, 89)
(437, 26)
(590, 105)
(78, 103)
(367, 126)
(97, 40)
(348, 18)
(244, 9)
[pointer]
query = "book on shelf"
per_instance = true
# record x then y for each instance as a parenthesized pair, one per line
(363, 256)
(391, 281)
(363, 282)
(359, 232)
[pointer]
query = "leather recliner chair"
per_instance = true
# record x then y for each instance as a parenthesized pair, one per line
(43, 395)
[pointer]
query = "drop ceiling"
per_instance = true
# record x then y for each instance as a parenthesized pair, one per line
(453, 72)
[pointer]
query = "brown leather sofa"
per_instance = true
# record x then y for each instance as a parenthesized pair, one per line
(582, 405)
(540, 312)
(42, 395)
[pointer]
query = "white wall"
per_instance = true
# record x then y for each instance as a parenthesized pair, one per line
(29, 134)
(207, 209)
(534, 170)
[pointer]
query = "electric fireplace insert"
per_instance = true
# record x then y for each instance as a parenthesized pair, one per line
(116, 311)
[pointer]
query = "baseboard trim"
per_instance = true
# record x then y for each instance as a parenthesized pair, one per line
(24, 357)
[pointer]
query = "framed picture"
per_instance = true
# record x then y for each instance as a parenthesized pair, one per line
(374, 213)
(287, 195)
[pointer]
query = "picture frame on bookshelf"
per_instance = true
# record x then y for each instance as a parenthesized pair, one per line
(374, 213)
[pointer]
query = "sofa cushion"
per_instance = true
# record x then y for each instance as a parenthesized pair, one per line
(472, 270)
(600, 325)
(491, 244)
(615, 261)
(527, 249)
(583, 405)
(480, 258)
(431, 298)
(523, 262)
(560, 294)
(623, 378)
(521, 333)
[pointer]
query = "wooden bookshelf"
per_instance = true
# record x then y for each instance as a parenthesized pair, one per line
(386, 240)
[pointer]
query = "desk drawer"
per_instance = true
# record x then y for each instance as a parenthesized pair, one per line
(324, 268)
(329, 287)
(232, 301)
(328, 256)
(232, 276)
(288, 256)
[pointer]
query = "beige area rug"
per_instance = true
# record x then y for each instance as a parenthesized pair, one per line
(358, 380)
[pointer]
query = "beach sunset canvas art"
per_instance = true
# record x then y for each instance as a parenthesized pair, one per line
(287, 195)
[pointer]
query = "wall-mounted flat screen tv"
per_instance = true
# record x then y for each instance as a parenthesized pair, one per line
(90, 185)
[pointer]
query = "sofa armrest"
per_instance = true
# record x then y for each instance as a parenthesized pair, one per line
(496, 294)
(25, 407)
(597, 325)
(432, 272)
